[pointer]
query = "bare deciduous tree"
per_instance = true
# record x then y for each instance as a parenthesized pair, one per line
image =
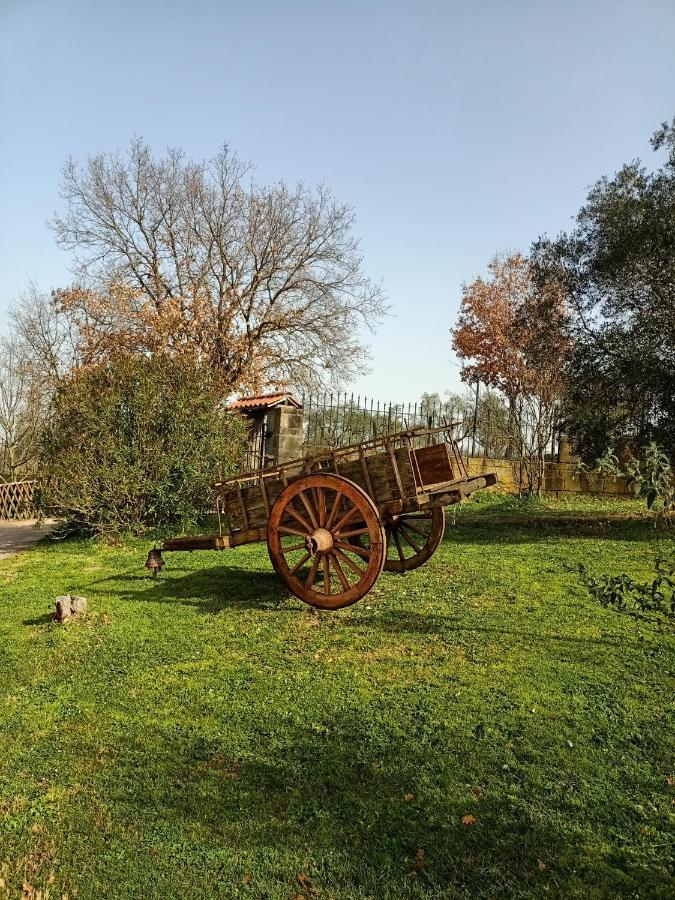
(44, 336)
(21, 413)
(266, 283)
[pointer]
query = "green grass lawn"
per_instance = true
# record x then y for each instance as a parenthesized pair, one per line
(203, 735)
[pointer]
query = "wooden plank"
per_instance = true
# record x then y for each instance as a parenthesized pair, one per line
(263, 493)
(242, 505)
(247, 536)
(196, 542)
(366, 475)
(394, 466)
(375, 444)
(434, 464)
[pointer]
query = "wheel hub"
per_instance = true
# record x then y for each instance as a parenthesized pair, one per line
(319, 541)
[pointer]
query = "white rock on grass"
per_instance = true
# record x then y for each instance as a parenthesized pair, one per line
(70, 605)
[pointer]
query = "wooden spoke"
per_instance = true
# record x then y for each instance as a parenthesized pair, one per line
(326, 574)
(284, 529)
(334, 509)
(405, 534)
(353, 548)
(340, 573)
(300, 546)
(321, 507)
(329, 503)
(415, 527)
(349, 562)
(356, 533)
(300, 564)
(413, 538)
(310, 512)
(312, 572)
(397, 539)
(298, 518)
(347, 516)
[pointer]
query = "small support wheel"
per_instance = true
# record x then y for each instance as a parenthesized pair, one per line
(412, 538)
(310, 531)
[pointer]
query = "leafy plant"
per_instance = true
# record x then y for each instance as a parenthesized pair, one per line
(608, 463)
(606, 466)
(636, 598)
(135, 444)
(652, 479)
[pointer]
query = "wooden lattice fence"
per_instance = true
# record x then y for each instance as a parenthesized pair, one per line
(17, 500)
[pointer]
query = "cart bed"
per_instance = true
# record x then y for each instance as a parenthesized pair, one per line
(396, 471)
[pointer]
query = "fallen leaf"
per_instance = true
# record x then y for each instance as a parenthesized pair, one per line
(469, 820)
(477, 792)
(419, 860)
(541, 865)
(670, 779)
(305, 884)
(408, 797)
(26, 891)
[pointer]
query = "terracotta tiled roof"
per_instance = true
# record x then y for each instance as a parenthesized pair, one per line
(264, 401)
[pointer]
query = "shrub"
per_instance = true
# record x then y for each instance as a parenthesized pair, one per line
(652, 480)
(136, 444)
(637, 598)
(650, 477)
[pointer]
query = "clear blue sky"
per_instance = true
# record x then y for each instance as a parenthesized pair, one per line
(453, 128)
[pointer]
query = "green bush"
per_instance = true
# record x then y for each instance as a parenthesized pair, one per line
(136, 444)
(637, 598)
(652, 480)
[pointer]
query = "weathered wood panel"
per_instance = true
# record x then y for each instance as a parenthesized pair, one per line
(434, 464)
(248, 507)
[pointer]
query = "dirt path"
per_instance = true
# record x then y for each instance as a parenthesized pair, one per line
(19, 535)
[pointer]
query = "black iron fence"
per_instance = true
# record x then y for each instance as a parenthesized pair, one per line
(485, 424)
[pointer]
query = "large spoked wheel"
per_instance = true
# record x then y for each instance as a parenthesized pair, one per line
(309, 538)
(412, 538)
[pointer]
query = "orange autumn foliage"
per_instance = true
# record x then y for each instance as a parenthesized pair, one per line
(510, 333)
(126, 320)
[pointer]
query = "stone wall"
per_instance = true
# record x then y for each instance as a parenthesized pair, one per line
(560, 479)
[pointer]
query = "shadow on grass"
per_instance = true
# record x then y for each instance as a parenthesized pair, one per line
(372, 812)
(46, 619)
(525, 531)
(401, 621)
(209, 590)
(213, 589)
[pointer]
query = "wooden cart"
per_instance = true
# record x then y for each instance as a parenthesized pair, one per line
(335, 520)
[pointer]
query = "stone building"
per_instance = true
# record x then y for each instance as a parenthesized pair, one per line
(275, 425)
